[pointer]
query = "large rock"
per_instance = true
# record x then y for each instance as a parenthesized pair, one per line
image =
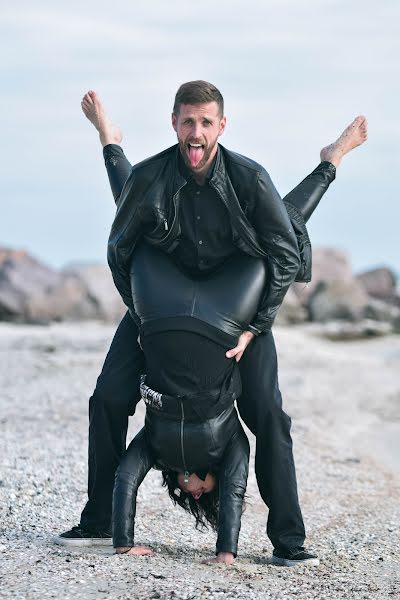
(342, 331)
(26, 288)
(329, 265)
(333, 300)
(99, 286)
(379, 283)
(291, 310)
(32, 292)
(382, 311)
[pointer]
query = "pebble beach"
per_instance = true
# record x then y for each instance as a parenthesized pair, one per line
(344, 400)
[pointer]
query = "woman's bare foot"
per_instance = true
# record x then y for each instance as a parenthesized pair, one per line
(354, 135)
(225, 558)
(135, 550)
(94, 110)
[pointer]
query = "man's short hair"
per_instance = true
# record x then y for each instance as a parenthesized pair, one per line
(198, 92)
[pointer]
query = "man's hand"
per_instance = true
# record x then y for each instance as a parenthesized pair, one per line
(243, 342)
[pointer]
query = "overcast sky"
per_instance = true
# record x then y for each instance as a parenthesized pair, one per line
(293, 74)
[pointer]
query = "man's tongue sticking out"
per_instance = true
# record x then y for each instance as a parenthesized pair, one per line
(196, 152)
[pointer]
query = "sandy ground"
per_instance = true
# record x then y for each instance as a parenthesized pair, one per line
(344, 399)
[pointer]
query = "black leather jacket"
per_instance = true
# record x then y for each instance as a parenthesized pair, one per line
(148, 206)
(232, 468)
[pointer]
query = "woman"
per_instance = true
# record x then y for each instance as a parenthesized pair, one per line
(171, 385)
(192, 431)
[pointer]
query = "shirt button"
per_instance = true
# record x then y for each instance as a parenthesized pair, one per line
(198, 217)
(201, 262)
(198, 193)
(200, 242)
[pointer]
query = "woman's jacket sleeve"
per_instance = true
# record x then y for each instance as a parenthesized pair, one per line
(233, 473)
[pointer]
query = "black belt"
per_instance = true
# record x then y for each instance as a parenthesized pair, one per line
(200, 406)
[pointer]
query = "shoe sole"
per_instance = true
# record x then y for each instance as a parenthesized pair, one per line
(286, 562)
(82, 542)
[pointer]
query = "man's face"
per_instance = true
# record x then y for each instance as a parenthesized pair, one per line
(198, 127)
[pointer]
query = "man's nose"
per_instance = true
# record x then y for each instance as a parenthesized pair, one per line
(196, 130)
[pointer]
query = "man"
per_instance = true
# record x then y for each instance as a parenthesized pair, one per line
(201, 202)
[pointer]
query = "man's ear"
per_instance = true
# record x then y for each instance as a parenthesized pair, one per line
(173, 120)
(222, 126)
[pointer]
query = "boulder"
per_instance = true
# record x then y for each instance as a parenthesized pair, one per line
(291, 310)
(341, 331)
(32, 292)
(329, 265)
(97, 281)
(345, 300)
(26, 288)
(379, 283)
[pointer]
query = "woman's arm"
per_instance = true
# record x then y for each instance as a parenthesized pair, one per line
(134, 466)
(232, 478)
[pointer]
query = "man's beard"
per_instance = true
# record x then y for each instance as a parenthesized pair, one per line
(207, 151)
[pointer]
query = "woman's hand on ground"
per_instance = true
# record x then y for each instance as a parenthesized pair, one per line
(226, 558)
(135, 550)
(243, 342)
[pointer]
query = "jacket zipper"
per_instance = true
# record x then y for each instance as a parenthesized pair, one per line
(171, 229)
(186, 473)
(194, 298)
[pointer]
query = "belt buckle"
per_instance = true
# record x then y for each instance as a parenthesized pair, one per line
(149, 396)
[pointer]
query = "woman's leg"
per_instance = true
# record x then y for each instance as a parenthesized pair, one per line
(117, 165)
(306, 196)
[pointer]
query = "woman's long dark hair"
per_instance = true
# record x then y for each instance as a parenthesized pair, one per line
(204, 510)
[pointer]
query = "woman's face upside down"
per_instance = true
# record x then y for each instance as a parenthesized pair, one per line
(196, 486)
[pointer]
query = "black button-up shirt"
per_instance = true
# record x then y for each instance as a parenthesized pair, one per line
(206, 232)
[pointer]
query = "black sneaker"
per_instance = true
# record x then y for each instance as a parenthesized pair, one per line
(78, 536)
(291, 558)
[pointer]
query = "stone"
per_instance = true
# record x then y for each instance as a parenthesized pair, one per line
(291, 310)
(26, 287)
(97, 281)
(380, 310)
(343, 331)
(329, 264)
(345, 300)
(379, 283)
(32, 292)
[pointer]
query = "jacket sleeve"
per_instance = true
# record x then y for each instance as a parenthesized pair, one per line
(129, 224)
(233, 473)
(277, 238)
(134, 466)
(118, 168)
(119, 171)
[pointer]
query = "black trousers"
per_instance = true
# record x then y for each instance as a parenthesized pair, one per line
(260, 406)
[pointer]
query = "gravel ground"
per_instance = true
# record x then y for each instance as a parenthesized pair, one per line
(344, 399)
